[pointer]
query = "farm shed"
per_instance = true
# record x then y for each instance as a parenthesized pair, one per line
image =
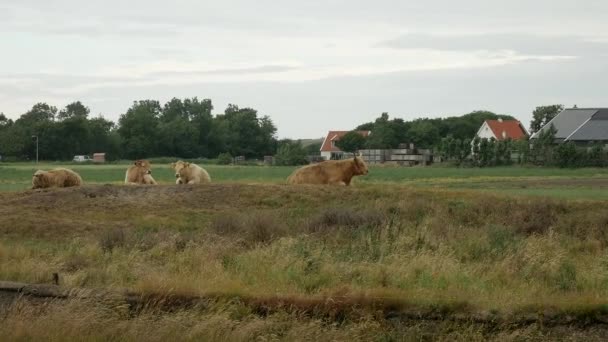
(99, 157)
(401, 156)
(579, 125)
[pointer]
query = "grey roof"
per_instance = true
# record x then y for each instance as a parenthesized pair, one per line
(595, 128)
(568, 121)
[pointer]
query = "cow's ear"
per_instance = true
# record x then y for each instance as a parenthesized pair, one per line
(186, 164)
(136, 163)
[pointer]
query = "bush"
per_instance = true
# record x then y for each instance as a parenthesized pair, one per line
(224, 159)
(291, 153)
(257, 228)
(111, 239)
(344, 217)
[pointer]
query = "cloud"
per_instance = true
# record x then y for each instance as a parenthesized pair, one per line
(263, 69)
(518, 42)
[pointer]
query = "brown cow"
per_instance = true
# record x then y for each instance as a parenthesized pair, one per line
(139, 173)
(329, 172)
(61, 178)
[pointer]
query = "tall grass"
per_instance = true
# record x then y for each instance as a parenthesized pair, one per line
(428, 247)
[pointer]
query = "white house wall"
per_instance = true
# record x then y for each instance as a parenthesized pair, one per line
(485, 132)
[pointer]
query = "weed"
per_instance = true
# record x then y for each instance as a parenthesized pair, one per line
(111, 239)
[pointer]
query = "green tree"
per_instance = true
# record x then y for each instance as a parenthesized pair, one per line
(74, 110)
(425, 133)
(351, 142)
(139, 129)
(4, 121)
(522, 147)
(487, 152)
(243, 133)
(313, 149)
(542, 115)
(290, 153)
(567, 155)
(224, 159)
(542, 147)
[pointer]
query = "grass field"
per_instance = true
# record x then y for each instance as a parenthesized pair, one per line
(404, 254)
(552, 182)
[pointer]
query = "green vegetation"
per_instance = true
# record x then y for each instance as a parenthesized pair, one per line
(291, 153)
(184, 128)
(424, 132)
(289, 261)
(536, 181)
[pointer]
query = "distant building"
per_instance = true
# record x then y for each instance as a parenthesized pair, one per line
(99, 157)
(329, 150)
(502, 130)
(579, 125)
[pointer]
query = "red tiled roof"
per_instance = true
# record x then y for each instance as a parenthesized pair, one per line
(512, 128)
(335, 136)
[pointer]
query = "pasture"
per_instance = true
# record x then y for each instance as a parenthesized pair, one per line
(588, 183)
(405, 253)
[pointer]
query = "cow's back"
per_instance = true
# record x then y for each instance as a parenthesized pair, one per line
(310, 174)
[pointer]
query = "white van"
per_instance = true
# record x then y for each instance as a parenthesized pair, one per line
(81, 159)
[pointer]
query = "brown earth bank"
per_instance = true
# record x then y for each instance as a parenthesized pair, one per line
(430, 322)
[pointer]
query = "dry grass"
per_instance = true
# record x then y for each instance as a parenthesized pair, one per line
(429, 247)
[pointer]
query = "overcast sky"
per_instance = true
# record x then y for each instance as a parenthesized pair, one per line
(310, 65)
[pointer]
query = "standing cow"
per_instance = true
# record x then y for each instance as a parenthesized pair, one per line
(329, 172)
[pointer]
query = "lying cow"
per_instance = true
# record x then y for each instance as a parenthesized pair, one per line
(188, 173)
(329, 172)
(60, 178)
(139, 173)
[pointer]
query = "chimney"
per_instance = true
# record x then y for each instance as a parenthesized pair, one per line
(504, 134)
(499, 119)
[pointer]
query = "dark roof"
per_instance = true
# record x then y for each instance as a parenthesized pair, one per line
(596, 128)
(579, 124)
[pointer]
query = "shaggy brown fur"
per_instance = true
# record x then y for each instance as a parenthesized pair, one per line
(188, 173)
(329, 172)
(139, 173)
(61, 178)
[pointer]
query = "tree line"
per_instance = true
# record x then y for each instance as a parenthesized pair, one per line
(453, 140)
(184, 128)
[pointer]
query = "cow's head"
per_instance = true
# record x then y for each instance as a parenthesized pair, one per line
(144, 166)
(38, 179)
(359, 166)
(179, 167)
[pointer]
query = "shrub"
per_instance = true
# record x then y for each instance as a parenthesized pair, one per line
(224, 159)
(111, 239)
(344, 217)
(74, 263)
(256, 228)
(291, 153)
(566, 276)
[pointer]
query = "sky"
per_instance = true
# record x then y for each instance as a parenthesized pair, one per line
(312, 66)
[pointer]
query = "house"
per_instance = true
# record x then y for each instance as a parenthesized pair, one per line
(502, 130)
(329, 150)
(579, 125)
